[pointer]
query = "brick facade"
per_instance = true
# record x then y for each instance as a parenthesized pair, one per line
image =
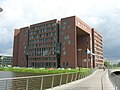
(56, 43)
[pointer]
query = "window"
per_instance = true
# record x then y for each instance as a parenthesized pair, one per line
(69, 42)
(63, 48)
(67, 37)
(51, 34)
(63, 43)
(65, 22)
(53, 53)
(78, 23)
(64, 52)
(63, 27)
(68, 26)
(53, 24)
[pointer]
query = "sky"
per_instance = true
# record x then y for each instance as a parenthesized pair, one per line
(102, 15)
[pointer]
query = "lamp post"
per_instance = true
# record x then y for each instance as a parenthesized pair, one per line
(89, 53)
(79, 51)
(1, 9)
(26, 55)
(27, 50)
(87, 60)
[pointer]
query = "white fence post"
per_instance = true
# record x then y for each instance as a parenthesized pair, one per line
(41, 83)
(76, 76)
(72, 78)
(67, 78)
(52, 82)
(6, 85)
(27, 84)
(60, 80)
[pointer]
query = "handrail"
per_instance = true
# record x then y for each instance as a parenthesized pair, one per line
(26, 83)
(114, 79)
(37, 76)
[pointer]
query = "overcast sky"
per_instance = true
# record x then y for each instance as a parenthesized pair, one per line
(103, 15)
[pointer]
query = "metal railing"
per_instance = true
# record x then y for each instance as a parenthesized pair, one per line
(40, 82)
(115, 79)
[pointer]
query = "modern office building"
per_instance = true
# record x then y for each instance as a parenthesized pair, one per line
(97, 49)
(6, 60)
(68, 42)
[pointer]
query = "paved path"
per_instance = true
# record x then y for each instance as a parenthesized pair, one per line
(97, 81)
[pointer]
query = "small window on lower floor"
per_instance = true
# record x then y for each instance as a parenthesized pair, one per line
(69, 42)
(64, 52)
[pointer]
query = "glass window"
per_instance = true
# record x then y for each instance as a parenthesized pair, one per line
(63, 27)
(53, 24)
(69, 42)
(67, 37)
(64, 52)
(65, 22)
(63, 48)
(78, 22)
(64, 43)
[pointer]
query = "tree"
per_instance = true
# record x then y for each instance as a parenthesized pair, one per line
(118, 65)
(115, 65)
(107, 64)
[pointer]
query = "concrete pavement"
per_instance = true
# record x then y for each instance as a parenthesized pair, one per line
(97, 81)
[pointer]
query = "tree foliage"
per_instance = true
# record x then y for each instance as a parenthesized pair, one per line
(118, 65)
(107, 64)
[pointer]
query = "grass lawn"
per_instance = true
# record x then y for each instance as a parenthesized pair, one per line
(46, 71)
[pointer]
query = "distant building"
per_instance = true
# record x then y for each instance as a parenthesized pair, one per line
(97, 49)
(6, 60)
(69, 42)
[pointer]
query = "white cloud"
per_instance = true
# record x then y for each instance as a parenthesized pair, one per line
(103, 15)
(8, 52)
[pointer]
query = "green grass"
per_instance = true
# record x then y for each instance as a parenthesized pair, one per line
(46, 71)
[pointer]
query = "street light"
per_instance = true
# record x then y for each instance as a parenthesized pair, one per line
(89, 52)
(1, 9)
(26, 55)
(79, 51)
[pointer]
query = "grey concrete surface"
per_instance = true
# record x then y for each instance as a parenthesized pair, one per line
(97, 81)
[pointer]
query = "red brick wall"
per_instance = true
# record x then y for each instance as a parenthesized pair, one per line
(23, 40)
(15, 47)
(68, 42)
(86, 34)
(74, 34)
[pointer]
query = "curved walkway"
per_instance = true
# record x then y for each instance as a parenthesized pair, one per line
(97, 81)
